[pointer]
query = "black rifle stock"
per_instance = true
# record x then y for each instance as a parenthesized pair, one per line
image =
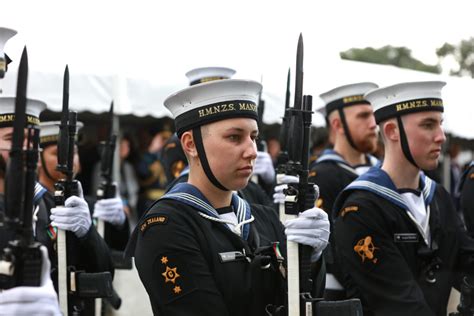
(21, 259)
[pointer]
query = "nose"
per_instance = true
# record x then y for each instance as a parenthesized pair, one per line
(440, 137)
(372, 123)
(250, 150)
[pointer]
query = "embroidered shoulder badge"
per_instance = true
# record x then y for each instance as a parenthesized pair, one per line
(365, 248)
(153, 220)
(171, 275)
(471, 176)
(348, 209)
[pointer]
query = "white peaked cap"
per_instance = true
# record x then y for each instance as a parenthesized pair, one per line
(213, 101)
(49, 132)
(7, 111)
(405, 98)
(347, 95)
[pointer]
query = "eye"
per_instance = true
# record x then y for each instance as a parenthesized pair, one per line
(234, 138)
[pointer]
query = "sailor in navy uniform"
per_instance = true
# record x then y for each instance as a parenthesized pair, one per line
(351, 119)
(201, 249)
(400, 242)
(176, 164)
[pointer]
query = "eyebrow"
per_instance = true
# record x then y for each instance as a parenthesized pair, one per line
(240, 130)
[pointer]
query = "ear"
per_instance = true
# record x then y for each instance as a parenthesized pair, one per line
(187, 142)
(336, 124)
(390, 130)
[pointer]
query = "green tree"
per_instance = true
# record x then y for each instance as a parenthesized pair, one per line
(463, 54)
(389, 55)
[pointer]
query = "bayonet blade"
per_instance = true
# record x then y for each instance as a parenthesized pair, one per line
(63, 128)
(299, 75)
(14, 176)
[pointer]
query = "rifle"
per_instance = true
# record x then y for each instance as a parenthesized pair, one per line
(72, 283)
(21, 259)
(283, 156)
(299, 196)
(107, 189)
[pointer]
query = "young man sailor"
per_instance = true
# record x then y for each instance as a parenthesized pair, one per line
(399, 239)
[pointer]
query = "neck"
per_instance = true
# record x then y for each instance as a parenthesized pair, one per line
(217, 197)
(46, 182)
(401, 171)
(351, 155)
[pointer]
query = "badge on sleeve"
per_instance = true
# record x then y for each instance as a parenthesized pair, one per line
(174, 278)
(365, 248)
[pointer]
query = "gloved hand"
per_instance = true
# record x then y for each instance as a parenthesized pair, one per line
(264, 167)
(74, 216)
(110, 211)
(310, 228)
(278, 195)
(32, 300)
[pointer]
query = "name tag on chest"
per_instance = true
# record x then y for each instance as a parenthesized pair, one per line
(405, 238)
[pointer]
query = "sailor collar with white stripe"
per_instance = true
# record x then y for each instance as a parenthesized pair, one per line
(190, 195)
(378, 182)
(39, 192)
(332, 155)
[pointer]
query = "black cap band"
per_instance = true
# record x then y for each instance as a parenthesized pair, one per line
(215, 112)
(346, 101)
(6, 120)
(409, 106)
(48, 140)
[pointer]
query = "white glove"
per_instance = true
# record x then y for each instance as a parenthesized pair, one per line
(110, 211)
(74, 216)
(32, 300)
(310, 228)
(278, 195)
(264, 167)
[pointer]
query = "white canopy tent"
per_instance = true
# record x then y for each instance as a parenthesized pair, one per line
(140, 97)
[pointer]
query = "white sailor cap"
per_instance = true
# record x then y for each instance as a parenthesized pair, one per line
(213, 101)
(404, 98)
(206, 74)
(49, 132)
(7, 111)
(347, 95)
(5, 35)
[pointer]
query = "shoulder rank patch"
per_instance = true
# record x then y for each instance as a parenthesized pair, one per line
(312, 173)
(153, 220)
(349, 209)
(471, 176)
(365, 248)
(175, 279)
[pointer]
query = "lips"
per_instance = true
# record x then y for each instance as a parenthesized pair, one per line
(246, 168)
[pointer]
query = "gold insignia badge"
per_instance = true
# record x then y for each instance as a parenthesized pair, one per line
(365, 248)
(319, 203)
(471, 176)
(349, 209)
(170, 275)
(312, 174)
